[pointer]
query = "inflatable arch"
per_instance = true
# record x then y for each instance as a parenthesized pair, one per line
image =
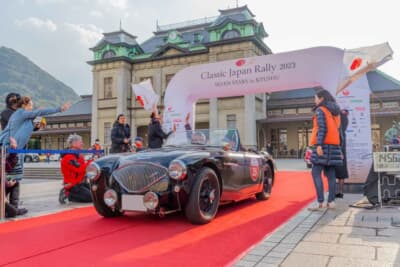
(327, 67)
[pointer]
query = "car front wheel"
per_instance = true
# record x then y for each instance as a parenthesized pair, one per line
(204, 198)
(100, 206)
(267, 185)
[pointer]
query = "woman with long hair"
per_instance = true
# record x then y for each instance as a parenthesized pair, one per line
(325, 143)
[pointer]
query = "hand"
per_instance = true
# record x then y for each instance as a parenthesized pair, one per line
(174, 128)
(65, 106)
(320, 152)
(126, 140)
(13, 143)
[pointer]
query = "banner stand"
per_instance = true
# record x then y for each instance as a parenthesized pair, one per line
(3, 184)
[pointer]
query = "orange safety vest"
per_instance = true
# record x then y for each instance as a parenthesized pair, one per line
(96, 146)
(332, 124)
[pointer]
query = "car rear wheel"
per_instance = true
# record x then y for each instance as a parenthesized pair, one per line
(204, 198)
(309, 165)
(267, 185)
(28, 159)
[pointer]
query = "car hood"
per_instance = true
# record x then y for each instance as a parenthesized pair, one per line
(164, 156)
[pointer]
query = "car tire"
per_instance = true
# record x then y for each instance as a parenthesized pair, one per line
(268, 183)
(100, 206)
(309, 165)
(203, 202)
(27, 159)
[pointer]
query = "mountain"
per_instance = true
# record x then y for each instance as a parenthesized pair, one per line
(19, 74)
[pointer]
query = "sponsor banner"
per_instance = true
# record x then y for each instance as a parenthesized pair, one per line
(356, 100)
(387, 161)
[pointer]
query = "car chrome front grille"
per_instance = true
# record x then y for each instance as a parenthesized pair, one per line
(138, 177)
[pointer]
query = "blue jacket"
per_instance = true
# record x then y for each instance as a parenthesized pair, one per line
(332, 153)
(20, 126)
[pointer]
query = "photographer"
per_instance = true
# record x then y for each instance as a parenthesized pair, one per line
(73, 168)
(120, 135)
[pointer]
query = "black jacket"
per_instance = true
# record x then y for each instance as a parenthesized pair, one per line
(118, 133)
(156, 134)
(5, 117)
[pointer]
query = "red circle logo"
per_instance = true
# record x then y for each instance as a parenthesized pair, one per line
(240, 62)
(345, 92)
(356, 63)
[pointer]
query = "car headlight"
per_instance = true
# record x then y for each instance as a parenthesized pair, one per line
(93, 171)
(177, 170)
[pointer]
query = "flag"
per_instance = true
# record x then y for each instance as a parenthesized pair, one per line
(358, 61)
(145, 94)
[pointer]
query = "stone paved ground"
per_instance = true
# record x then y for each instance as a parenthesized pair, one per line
(340, 237)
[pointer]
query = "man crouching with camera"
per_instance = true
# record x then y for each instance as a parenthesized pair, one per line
(73, 168)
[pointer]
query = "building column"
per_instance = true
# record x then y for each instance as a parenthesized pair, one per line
(250, 131)
(95, 97)
(122, 86)
(213, 113)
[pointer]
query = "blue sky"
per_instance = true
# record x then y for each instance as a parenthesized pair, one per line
(57, 34)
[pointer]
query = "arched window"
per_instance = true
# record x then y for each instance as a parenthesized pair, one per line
(108, 54)
(230, 34)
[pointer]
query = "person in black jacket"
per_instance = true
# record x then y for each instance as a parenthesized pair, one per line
(341, 171)
(156, 133)
(120, 136)
(11, 106)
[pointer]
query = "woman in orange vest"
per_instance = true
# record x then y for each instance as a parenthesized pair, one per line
(325, 143)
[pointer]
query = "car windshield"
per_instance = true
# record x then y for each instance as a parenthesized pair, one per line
(227, 139)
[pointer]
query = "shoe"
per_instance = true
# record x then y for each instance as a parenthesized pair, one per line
(62, 197)
(319, 207)
(21, 211)
(339, 195)
(330, 205)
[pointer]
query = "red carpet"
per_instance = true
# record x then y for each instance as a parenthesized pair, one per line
(82, 238)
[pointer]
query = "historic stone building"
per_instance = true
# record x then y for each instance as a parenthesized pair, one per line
(119, 61)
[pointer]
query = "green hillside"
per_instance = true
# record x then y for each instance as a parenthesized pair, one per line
(19, 74)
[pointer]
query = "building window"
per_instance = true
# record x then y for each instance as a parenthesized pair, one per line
(283, 146)
(108, 54)
(197, 38)
(304, 136)
(231, 121)
(230, 34)
(108, 84)
(168, 78)
(376, 137)
(107, 133)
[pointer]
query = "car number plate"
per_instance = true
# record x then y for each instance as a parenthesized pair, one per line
(133, 203)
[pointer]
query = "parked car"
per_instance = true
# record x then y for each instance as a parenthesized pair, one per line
(31, 157)
(193, 172)
(55, 157)
(307, 157)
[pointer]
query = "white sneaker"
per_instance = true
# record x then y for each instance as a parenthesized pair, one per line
(318, 207)
(330, 205)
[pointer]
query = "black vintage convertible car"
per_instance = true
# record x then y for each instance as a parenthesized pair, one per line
(194, 172)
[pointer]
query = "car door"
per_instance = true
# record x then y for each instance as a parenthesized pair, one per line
(232, 173)
(252, 172)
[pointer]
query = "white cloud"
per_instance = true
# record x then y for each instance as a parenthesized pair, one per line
(37, 23)
(96, 14)
(89, 34)
(120, 4)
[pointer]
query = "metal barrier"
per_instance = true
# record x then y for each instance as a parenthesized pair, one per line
(4, 152)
